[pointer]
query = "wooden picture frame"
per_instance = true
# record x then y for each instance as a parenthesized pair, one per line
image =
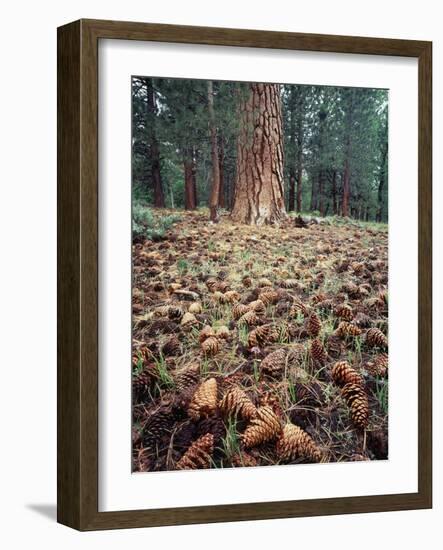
(78, 274)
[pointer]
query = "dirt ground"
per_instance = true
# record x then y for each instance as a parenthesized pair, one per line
(211, 303)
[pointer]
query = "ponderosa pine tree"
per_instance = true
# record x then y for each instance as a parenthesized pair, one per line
(259, 195)
(154, 150)
(215, 183)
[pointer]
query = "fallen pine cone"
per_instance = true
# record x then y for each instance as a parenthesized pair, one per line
(274, 363)
(314, 324)
(376, 338)
(210, 346)
(296, 443)
(206, 332)
(266, 334)
(236, 402)
(204, 400)
(318, 353)
(265, 426)
(343, 373)
(357, 400)
(198, 455)
(347, 329)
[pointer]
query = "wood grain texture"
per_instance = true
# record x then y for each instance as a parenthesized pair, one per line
(77, 171)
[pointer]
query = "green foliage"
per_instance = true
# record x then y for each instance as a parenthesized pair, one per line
(147, 225)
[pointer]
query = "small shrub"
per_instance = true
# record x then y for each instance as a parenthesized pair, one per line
(146, 225)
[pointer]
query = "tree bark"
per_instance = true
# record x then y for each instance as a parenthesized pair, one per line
(381, 183)
(334, 192)
(291, 205)
(154, 150)
(299, 155)
(215, 187)
(259, 195)
(189, 169)
(348, 149)
(221, 160)
(346, 190)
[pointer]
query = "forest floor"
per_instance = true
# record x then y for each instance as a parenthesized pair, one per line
(211, 303)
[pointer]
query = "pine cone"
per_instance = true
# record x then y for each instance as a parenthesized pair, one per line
(247, 281)
(268, 297)
(212, 284)
(351, 290)
(345, 329)
(296, 443)
(171, 346)
(376, 338)
(223, 286)
(243, 459)
(205, 333)
(188, 320)
(258, 307)
(236, 402)
(158, 425)
(198, 455)
(161, 311)
(211, 346)
(239, 310)
(357, 400)
(250, 319)
(264, 282)
(141, 382)
(265, 334)
(297, 308)
(204, 400)
(379, 366)
(175, 313)
(318, 353)
(265, 426)
(222, 332)
(231, 297)
(274, 363)
(186, 378)
(314, 324)
(213, 425)
(343, 373)
(344, 311)
(195, 308)
(290, 283)
(334, 346)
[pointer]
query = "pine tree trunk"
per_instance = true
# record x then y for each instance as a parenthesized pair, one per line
(221, 160)
(381, 183)
(189, 170)
(334, 193)
(320, 192)
(291, 201)
(259, 195)
(314, 193)
(159, 199)
(346, 190)
(215, 186)
(299, 151)
(348, 149)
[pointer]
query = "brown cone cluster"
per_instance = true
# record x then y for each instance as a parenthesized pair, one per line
(186, 378)
(236, 402)
(376, 338)
(274, 363)
(357, 400)
(343, 373)
(344, 311)
(296, 443)
(379, 366)
(265, 426)
(318, 352)
(204, 400)
(266, 334)
(250, 319)
(314, 324)
(211, 346)
(198, 455)
(345, 329)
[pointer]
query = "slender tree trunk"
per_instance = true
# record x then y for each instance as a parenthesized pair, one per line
(215, 186)
(259, 194)
(221, 160)
(159, 199)
(300, 139)
(334, 192)
(381, 183)
(321, 206)
(291, 205)
(346, 189)
(314, 193)
(348, 149)
(189, 170)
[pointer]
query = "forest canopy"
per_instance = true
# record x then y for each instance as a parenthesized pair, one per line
(309, 149)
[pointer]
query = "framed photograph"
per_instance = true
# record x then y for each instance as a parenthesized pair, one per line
(244, 275)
